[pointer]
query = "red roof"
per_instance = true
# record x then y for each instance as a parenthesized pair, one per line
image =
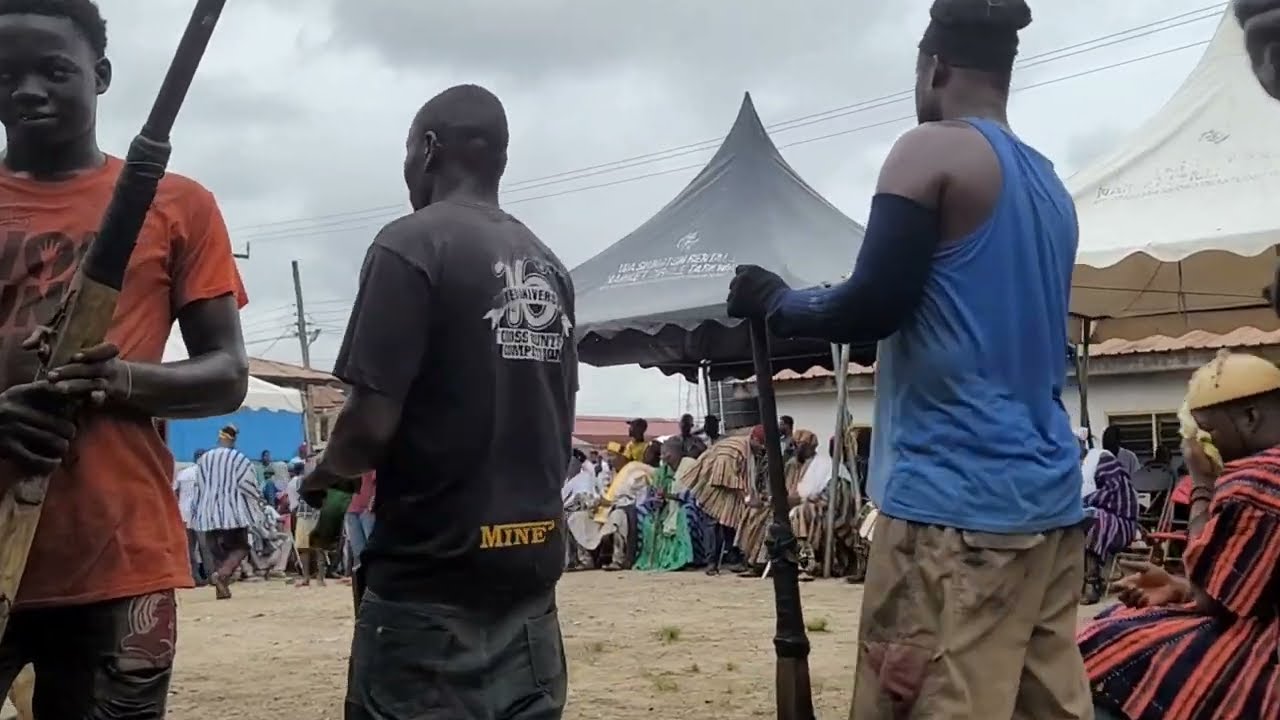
(599, 430)
(274, 371)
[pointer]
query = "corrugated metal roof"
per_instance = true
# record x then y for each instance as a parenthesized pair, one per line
(325, 398)
(274, 371)
(1194, 340)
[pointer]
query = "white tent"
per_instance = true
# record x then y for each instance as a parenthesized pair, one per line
(1179, 228)
(263, 395)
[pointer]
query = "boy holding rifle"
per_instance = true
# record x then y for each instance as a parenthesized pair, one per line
(95, 613)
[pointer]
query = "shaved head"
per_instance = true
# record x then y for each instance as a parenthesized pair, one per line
(468, 118)
(459, 135)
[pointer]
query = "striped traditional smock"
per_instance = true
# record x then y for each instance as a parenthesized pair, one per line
(1177, 663)
(1115, 505)
(227, 497)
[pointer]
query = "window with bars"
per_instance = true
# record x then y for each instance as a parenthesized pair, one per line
(1142, 433)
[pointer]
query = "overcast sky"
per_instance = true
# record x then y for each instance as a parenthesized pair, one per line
(298, 118)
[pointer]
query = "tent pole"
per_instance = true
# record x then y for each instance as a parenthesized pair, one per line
(1082, 380)
(840, 363)
(720, 401)
(706, 386)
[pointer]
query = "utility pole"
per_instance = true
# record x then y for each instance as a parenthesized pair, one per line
(305, 342)
(302, 318)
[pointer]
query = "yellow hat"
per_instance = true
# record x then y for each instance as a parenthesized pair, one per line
(1231, 376)
(614, 447)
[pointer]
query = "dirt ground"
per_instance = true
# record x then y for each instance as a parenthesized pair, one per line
(677, 645)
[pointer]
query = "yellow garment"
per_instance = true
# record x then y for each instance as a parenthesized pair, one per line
(625, 482)
(635, 450)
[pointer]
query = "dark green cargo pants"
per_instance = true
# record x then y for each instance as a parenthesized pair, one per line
(421, 661)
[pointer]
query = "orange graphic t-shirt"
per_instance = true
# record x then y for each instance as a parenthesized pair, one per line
(110, 527)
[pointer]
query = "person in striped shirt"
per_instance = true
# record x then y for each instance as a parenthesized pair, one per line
(228, 503)
(1204, 647)
(1113, 509)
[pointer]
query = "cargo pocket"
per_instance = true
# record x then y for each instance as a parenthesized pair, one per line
(988, 571)
(546, 654)
(401, 669)
(989, 575)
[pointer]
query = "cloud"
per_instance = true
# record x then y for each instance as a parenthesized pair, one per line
(298, 117)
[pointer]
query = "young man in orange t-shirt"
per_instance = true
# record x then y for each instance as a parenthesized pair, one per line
(95, 613)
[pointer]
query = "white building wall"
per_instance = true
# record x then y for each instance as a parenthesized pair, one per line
(1131, 393)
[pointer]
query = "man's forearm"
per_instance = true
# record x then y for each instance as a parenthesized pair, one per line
(881, 293)
(1205, 603)
(205, 386)
(845, 313)
(361, 435)
(345, 460)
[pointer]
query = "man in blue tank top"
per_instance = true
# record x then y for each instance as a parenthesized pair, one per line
(969, 608)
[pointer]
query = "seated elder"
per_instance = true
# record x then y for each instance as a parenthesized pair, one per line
(1204, 647)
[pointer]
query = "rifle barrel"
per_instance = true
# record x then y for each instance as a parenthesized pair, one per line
(794, 695)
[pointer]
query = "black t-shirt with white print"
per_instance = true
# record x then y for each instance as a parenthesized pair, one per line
(467, 316)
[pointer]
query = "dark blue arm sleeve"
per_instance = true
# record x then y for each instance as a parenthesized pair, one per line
(885, 287)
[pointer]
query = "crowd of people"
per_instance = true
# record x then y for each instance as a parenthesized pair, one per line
(462, 372)
(247, 519)
(699, 499)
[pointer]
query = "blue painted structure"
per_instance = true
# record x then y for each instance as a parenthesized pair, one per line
(278, 431)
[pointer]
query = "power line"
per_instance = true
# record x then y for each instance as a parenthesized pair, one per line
(371, 215)
(1031, 86)
(307, 232)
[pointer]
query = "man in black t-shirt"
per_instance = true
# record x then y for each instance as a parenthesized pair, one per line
(463, 372)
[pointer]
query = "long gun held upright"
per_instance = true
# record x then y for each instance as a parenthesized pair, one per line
(84, 317)
(795, 698)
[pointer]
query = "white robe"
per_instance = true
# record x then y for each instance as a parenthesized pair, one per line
(582, 510)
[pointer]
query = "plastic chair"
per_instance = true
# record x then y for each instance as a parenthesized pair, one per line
(1157, 483)
(1168, 540)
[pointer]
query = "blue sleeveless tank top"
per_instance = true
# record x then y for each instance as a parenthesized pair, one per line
(970, 430)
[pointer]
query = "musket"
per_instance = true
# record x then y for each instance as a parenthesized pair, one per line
(84, 316)
(790, 643)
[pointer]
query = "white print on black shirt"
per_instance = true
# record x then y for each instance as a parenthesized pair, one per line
(528, 317)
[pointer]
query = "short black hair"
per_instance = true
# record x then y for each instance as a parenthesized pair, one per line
(471, 125)
(979, 35)
(787, 420)
(83, 14)
(1111, 438)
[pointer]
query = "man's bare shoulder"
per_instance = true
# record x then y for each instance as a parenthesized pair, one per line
(932, 155)
(945, 135)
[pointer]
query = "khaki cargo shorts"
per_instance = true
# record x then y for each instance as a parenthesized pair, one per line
(970, 626)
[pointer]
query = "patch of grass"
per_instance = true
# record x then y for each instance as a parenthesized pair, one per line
(595, 647)
(694, 669)
(662, 681)
(816, 625)
(731, 666)
(669, 634)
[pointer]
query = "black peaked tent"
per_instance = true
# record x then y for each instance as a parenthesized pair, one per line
(657, 296)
